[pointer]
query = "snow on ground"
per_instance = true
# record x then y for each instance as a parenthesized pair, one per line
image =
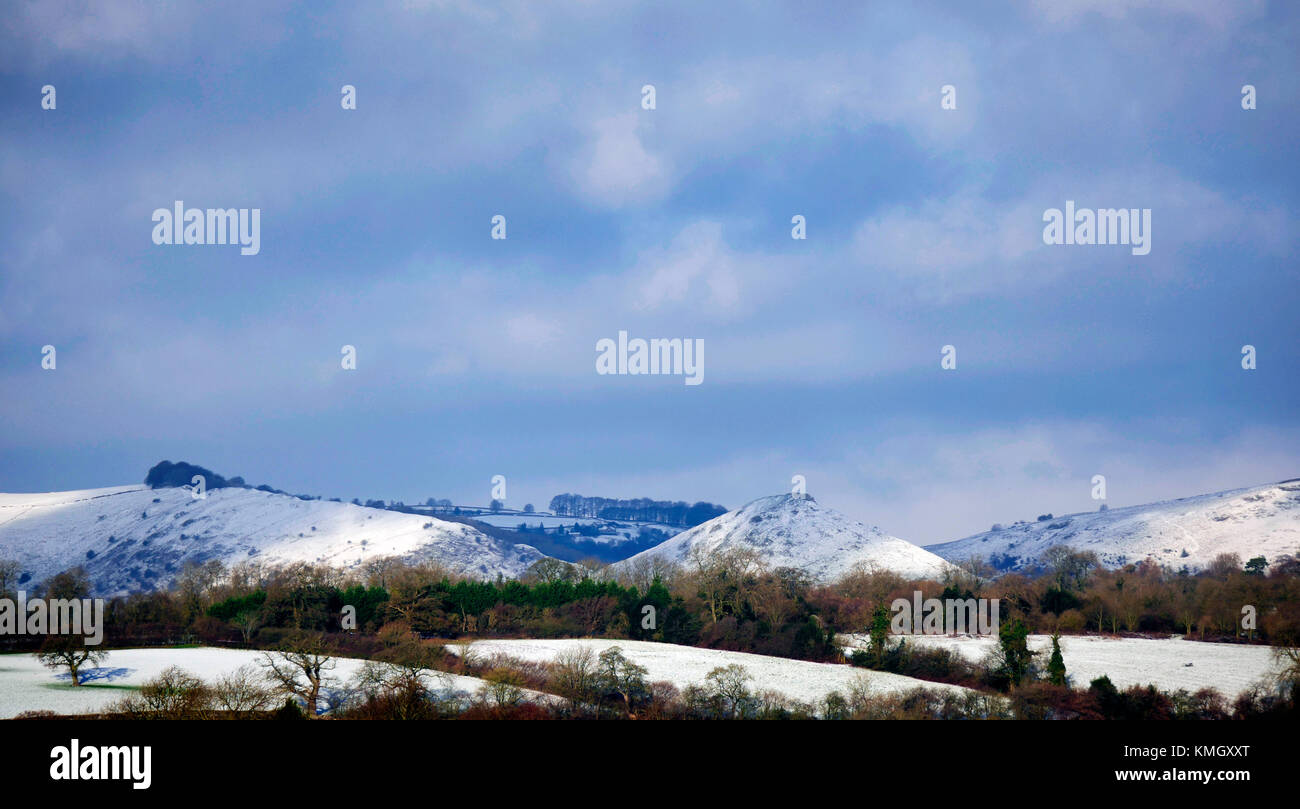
(687, 665)
(623, 530)
(1259, 521)
(796, 531)
(26, 685)
(1163, 662)
(132, 538)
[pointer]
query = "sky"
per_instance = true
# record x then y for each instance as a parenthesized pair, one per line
(476, 356)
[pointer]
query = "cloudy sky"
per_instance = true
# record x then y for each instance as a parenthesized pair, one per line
(476, 357)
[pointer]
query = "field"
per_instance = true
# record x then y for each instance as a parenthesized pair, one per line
(686, 665)
(26, 685)
(1168, 663)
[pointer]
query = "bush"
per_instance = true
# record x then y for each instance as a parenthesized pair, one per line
(37, 715)
(173, 694)
(290, 710)
(168, 475)
(1137, 702)
(1072, 621)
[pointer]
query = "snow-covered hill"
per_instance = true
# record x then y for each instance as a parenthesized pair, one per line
(795, 531)
(1260, 521)
(131, 538)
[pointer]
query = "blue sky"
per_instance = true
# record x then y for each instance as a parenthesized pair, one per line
(476, 356)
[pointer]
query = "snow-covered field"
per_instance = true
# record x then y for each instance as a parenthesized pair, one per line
(686, 665)
(623, 530)
(26, 685)
(1259, 521)
(128, 542)
(1161, 662)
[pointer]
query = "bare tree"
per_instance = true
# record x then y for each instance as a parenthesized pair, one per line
(195, 583)
(621, 676)
(1070, 568)
(377, 572)
(1187, 605)
(724, 578)
(775, 596)
(593, 612)
(245, 577)
(406, 653)
(575, 676)
(242, 691)
(403, 691)
(549, 571)
(70, 652)
(729, 686)
(1224, 565)
(173, 694)
(301, 669)
(409, 587)
(504, 687)
(248, 622)
(642, 571)
(71, 583)
(594, 569)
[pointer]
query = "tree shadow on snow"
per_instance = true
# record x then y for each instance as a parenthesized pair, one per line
(105, 674)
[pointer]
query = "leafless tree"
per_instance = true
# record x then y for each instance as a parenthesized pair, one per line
(575, 676)
(195, 583)
(301, 668)
(242, 691)
(729, 685)
(248, 622)
(71, 583)
(549, 571)
(70, 652)
(621, 676)
(504, 687)
(173, 694)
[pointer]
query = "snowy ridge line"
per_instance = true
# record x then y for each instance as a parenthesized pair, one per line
(792, 530)
(1191, 531)
(128, 543)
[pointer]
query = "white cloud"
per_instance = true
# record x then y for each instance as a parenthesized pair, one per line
(972, 244)
(52, 30)
(615, 169)
(697, 265)
(1218, 15)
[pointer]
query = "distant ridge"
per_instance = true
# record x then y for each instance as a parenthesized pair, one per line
(131, 538)
(1257, 521)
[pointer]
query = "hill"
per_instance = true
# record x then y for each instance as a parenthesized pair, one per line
(131, 538)
(1258, 521)
(796, 531)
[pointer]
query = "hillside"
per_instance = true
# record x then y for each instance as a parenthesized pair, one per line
(796, 531)
(131, 538)
(1259, 521)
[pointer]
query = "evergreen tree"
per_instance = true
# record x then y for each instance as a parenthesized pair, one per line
(879, 636)
(290, 710)
(1013, 651)
(1056, 666)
